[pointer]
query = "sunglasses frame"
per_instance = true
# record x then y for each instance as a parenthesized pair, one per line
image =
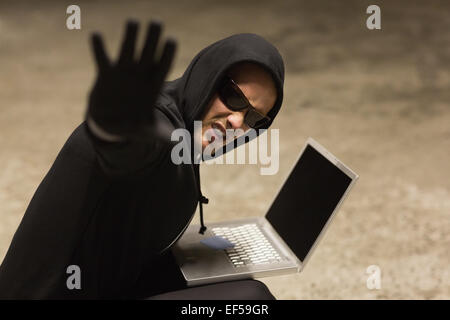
(247, 103)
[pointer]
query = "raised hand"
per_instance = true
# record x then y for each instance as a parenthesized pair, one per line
(123, 97)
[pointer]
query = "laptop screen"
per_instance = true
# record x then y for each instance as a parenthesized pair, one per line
(307, 200)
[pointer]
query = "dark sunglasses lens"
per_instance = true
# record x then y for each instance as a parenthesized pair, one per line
(255, 120)
(231, 98)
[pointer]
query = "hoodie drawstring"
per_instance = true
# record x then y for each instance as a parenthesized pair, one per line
(201, 200)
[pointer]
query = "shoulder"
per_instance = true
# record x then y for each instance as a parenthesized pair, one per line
(79, 145)
(167, 108)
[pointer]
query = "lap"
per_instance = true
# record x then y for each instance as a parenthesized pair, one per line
(163, 280)
(162, 275)
(232, 290)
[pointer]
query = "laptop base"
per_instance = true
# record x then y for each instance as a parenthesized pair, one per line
(201, 264)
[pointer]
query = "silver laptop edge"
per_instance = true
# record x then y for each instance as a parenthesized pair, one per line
(290, 265)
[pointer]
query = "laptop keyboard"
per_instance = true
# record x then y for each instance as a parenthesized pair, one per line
(251, 246)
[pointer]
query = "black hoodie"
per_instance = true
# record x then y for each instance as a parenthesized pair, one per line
(112, 208)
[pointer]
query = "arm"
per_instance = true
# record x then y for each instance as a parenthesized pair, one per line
(127, 131)
(127, 158)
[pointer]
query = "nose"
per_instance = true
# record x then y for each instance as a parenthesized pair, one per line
(236, 120)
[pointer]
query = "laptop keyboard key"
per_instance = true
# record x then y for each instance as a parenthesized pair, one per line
(251, 246)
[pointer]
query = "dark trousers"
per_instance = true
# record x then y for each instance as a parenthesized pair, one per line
(164, 281)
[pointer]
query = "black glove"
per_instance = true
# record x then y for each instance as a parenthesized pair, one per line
(123, 97)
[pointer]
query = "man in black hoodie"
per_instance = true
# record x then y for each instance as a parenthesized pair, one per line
(114, 202)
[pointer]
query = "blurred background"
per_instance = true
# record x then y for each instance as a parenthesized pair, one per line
(378, 99)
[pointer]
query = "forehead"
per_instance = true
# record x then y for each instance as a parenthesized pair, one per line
(260, 92)
(256, 83)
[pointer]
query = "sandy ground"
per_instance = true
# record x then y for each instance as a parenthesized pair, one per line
(379, 100)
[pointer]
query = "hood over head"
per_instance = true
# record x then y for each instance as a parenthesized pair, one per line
(193, 92)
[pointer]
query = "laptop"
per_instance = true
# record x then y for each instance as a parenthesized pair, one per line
(283, 240)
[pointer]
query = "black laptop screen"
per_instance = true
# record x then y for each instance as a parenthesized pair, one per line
(306, 201)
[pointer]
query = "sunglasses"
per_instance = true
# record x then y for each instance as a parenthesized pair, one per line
(232, 96)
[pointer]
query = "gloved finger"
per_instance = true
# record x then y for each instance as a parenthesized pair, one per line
(166, 59)
(128, 44)
(101, 58)
(151, 42)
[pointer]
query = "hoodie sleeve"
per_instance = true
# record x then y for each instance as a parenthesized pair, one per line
(130, 158)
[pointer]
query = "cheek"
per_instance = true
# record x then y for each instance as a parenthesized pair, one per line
(211, 108)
